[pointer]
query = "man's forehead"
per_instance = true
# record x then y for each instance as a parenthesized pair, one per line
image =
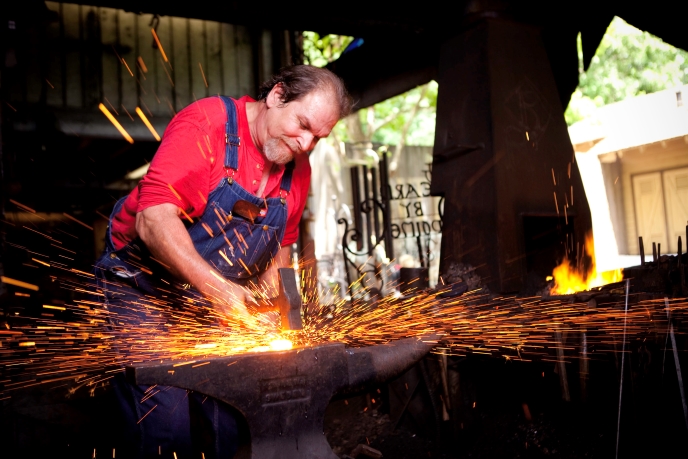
(318, 107)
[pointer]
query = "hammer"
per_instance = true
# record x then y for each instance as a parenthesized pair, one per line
(287, 301)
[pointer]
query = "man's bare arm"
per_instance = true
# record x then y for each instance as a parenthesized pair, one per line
(161, 229)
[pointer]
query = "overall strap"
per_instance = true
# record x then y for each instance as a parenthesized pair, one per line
(232, 140)
(285, 185)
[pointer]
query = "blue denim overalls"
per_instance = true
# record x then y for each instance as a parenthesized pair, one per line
(138, 289)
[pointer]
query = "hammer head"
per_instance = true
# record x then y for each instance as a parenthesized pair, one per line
(289, 300)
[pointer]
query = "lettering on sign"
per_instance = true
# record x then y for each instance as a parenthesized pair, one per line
(414, 211)
(283, 390)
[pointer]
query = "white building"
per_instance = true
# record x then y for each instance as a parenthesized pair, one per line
(633, 156)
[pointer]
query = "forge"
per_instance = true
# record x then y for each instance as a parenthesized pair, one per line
(514, 200)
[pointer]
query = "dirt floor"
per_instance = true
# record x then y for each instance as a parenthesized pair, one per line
(502, 433)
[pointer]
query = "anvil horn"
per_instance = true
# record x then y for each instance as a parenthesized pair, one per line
(376, 364)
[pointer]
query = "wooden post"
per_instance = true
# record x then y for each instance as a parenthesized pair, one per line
(641, 248)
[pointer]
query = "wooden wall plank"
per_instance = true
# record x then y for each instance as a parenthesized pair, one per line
(197, 48)
(91, 58)
(82, 55)
(55, 58)
(127, 51)
(146, 79)
(244, 52)
(32, 54)
(266, 55)
(165, 74)
(213, 57)
(181, 63)
(230, 75)
(71, 22)
(110, 61)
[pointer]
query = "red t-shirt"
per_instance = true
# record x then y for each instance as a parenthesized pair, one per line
(189, 164)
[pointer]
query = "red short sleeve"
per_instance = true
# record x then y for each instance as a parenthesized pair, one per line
(180, 171)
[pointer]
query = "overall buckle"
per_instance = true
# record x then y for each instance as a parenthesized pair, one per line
(232, 139)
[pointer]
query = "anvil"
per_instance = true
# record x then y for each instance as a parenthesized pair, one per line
(283, 395)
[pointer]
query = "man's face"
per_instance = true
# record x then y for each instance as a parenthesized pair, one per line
(296, 127)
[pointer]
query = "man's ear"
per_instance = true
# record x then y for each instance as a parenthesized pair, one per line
(276, 96)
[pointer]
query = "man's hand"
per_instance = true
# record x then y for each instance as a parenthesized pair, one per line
(163, 232)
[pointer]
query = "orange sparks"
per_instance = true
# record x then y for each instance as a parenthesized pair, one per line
(18, 283)
(142, 64)
(157, 41)
(147, 123)
(186, 215)
(41, 262)
(114, 121)
(127, 66)
(244, 265)
(144, 416)
(169, 185)
(222, 254)
(84, 273)
(568, 279)
(22, 206)
(127, 112)
(59, 308)
(556, 204)
(220, 278)
(203, 74)
(207, 229)
(201, 148)
(77, 221)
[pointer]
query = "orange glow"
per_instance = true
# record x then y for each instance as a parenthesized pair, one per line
(567, 279)
(280, 345)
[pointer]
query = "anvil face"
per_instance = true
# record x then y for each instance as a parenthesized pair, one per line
(283, 395)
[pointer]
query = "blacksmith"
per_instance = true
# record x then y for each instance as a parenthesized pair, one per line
(221, 200)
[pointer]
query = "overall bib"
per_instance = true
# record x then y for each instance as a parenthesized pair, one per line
(138, 289)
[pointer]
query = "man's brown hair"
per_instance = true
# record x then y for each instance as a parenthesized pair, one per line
(299, 80)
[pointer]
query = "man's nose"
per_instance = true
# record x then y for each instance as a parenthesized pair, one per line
(307, 141)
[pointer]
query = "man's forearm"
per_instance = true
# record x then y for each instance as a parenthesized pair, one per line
(168, 240)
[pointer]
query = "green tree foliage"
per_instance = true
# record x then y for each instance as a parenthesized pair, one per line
(320, 51)
(390, 117)
(408, 118)
(628, 62)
